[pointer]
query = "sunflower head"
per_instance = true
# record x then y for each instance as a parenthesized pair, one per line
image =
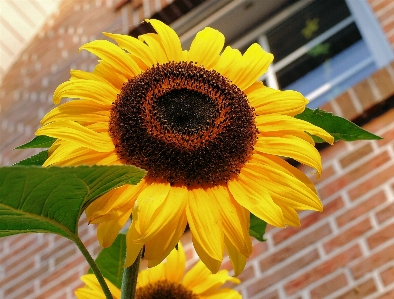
(184, 124)
(168, 280)
(210, 135)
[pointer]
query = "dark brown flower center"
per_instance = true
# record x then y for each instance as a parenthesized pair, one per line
(164, 289)
(184, 124)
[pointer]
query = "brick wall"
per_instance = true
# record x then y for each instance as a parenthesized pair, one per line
(347, 251)
(384, 11)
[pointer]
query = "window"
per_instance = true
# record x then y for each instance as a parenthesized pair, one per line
(318, 50)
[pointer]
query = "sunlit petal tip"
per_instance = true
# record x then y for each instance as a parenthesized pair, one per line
(169, 38)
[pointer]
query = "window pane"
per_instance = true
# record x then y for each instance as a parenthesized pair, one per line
(318, 55)
(305, 25)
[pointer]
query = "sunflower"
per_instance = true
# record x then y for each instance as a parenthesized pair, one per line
(209, 134)
(168, 280)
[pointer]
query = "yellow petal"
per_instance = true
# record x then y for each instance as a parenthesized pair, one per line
(156, 250)
(105, 207)
(113, 55)
(291, 216)
(226, 62)
(283, 187)
(255, 63)
(152, 275)
(196, 275)
(235, 219)
(224, 293)
(72, 131)
(133, 248)
(150, 202)
(255, 198)
(92, 287)
(205, 223)
(97, 91)
(62, 150)
(284, 166)
(111, 74)
(204, 283)
(275, 122)
(79, 156)
(291, 147)
(79, 74)
(82, 111)
(154, 43)
(175, 265)
(108, 231)
(206, 47)
(135, 47)
(238, 260)
(169, 40)
(267, 100)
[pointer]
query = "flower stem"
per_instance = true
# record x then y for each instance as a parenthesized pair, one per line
(129, 280)
(94, 268)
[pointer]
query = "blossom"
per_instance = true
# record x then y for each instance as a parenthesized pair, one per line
(209, 134)
(168, 280)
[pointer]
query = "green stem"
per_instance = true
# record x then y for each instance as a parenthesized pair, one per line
(94, 268)
(129, 280)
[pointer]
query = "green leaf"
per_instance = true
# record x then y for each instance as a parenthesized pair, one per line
(38, 142)
(257, 228)
(340, 128)
(51, 200)
(35, 160)
(111, 261)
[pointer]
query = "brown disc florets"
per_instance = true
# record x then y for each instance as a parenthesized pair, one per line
(164, 289)
(184, 124)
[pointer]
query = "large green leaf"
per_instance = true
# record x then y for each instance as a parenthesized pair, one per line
(340, 128)
(38, 142)
(35, 199)
(257, 228)
(111, 261)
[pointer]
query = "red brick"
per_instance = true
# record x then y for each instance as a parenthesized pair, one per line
(372, 183)
(388, 295)
(364, 94)
(385, 213)
(61, 284)
(360, 291)
(380, 122)
(259, 248)
(280, 255)
(328, 171)
(320, 271)
(354, 174)
(309, 220)
(28, 264)
(383, 235)
(388, 137)
(361, 209)
(348, 235)
(247, 273)
(383, 81)
(329, 286)
(388, 276)
(268, 280)
(12, 287)
(347, 107)
(373, 262)
(61, 270)
(356, 155)
(333, 151)
(25, 293)
(31, 251)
